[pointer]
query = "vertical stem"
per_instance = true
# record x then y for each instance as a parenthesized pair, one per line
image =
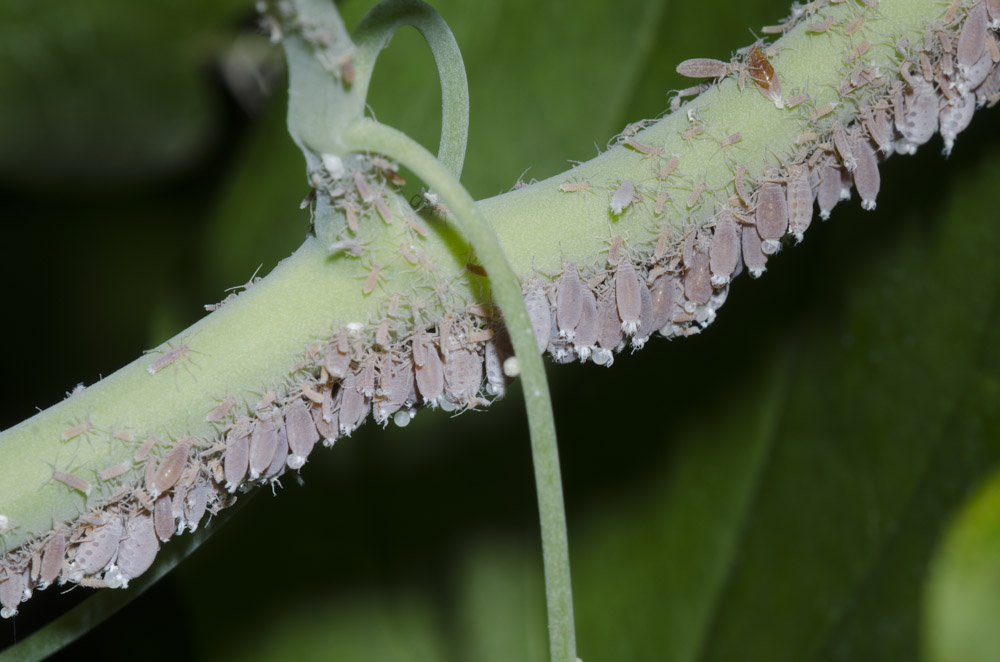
(368, 135)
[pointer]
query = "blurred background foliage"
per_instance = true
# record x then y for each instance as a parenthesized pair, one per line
(773, 489)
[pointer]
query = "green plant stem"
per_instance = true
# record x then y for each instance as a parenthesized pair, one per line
(372, 35)
(368, 135)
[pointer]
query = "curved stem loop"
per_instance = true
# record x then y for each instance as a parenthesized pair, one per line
(366, 135)
(372, 35)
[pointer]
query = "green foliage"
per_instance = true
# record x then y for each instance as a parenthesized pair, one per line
(771, 490)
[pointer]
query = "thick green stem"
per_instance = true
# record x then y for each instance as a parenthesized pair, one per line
(367, 135)
(373, 34)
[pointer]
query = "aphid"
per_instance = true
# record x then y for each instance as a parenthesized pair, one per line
(664, 293)
(137, 551)
(828, 191)
(648, 150)
(993, 9)
(866, 176)
(763, 75)
(800, 201)
(171, 467)
(145, 449)
(772, 209)
(494, 354)
(949, 14)
(776, 29)
(280, 455)
(163, 518)
(415, 225)
(396, 384)
(954, 118)
(112, 472)
(167, 358)
(220, 412)
(730, 140)
(541, 318)
(372, 279)
(382, 333)
(623, 197)
(753, 256)
(859, 50)
(429, 376)
(574, 187)
(807, 137)
(740, 181)
(263, 441)
(424, 262)
(75, 482)
(609, 329)
(11, 591)
(301, 433)
(668, 167)
(338, 359)
(614, 251)
(586, 329)
(991, 46)
(463, 372)
(698, 279)
(854, 25)
(822, 26)
(926, 70)
(702, 67)
(919, 122)
(978, 72)
(389, 170)
(569, 301)
(366, 376)
(947, 65)
(724, 252)
(661, 200)
(383, 209)
(627, 297)
(877, 129)
(351, 213)
(196, 502)
(696, 130)
(843, 146)
(822, 111)
(97, 550)
(52, 558)
(646, 327)
(361, 184)
(972, 39)
(122, 435)
(76, 430)
(796, 99)
(695, 194)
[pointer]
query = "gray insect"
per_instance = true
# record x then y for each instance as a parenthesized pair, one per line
(137, 551)
(263, 441)
(703, 67)
(569, 301)
(301, 433)
(623, 197)
(539, 314)
(220, 412)
(354, 406)
(972, 39)
(53, 555)
(113, 472)
(772, 208)
(609, 328)
(163, 518)
(955, 117)
(236, 459)
(664, 293)
(724, 253)
(627, 297)
(12, 590)
(97, 550)
(919, 120)
(280, 456)
(338, 357)
(463, 373)
(753, 256)
(866, 177)
(72, 481)
(430, 375)
(828, 191)
(196, 502)
(327, 419)
(586, 329)
(646, 320)
(800, 201)
(698, 279)
(170, 469)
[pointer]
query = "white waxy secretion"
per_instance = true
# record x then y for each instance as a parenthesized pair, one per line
(623, 197)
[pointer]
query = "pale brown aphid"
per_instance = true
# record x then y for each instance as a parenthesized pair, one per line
(724, 253)
(122, 435)
(366, 376)
(627, 297)
(220, 412)
(926, 70)
(382, 333)
(646, 327)
(648, 150)
(463, 373)
(395, 386)
(586, 329)
(569, 301)
(694, 131)
(991, 46)
(695, 194)
(701, 67)
(574, 187)
(280, 455)
(859, 50)
(854, 25)
(415, 225)
(828, 191)
(949, 14)
(52, 558)
(664, 293)
(112, 472)
(170, 469)
(843, 146)
(623, 197)
(800, 201)
(77, 430)
(267, 400)
(361, 184)
(137, 551)
(236, 458)
(866, 176)
(698, 279)
(163, 518)
(407, 254)
(877, 129)
(609, 329)
(822, 26)
(772, 209)
(741, 188)
(338, 359)
(372, 279)
(972, 39)
(538, 312)
(955, 118)
(383, 209)
(354, 406)
(807, 137)
(947, 67)
(351, 213)
(822, 111)
(11, 591)
(75, 482)
(429, 376)
(168, 358)
(327, 420)
(993, 9)
(730, 140)
(668, 167)
(196, 502)
(98, 549)
(753, 257)
(661, 200)
(263, 441)
(796, 99)
(776, 29)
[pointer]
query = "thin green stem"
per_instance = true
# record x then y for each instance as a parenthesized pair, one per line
(370, 136)
(372, 35)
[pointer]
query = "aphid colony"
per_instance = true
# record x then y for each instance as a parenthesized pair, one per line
(585, 312)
